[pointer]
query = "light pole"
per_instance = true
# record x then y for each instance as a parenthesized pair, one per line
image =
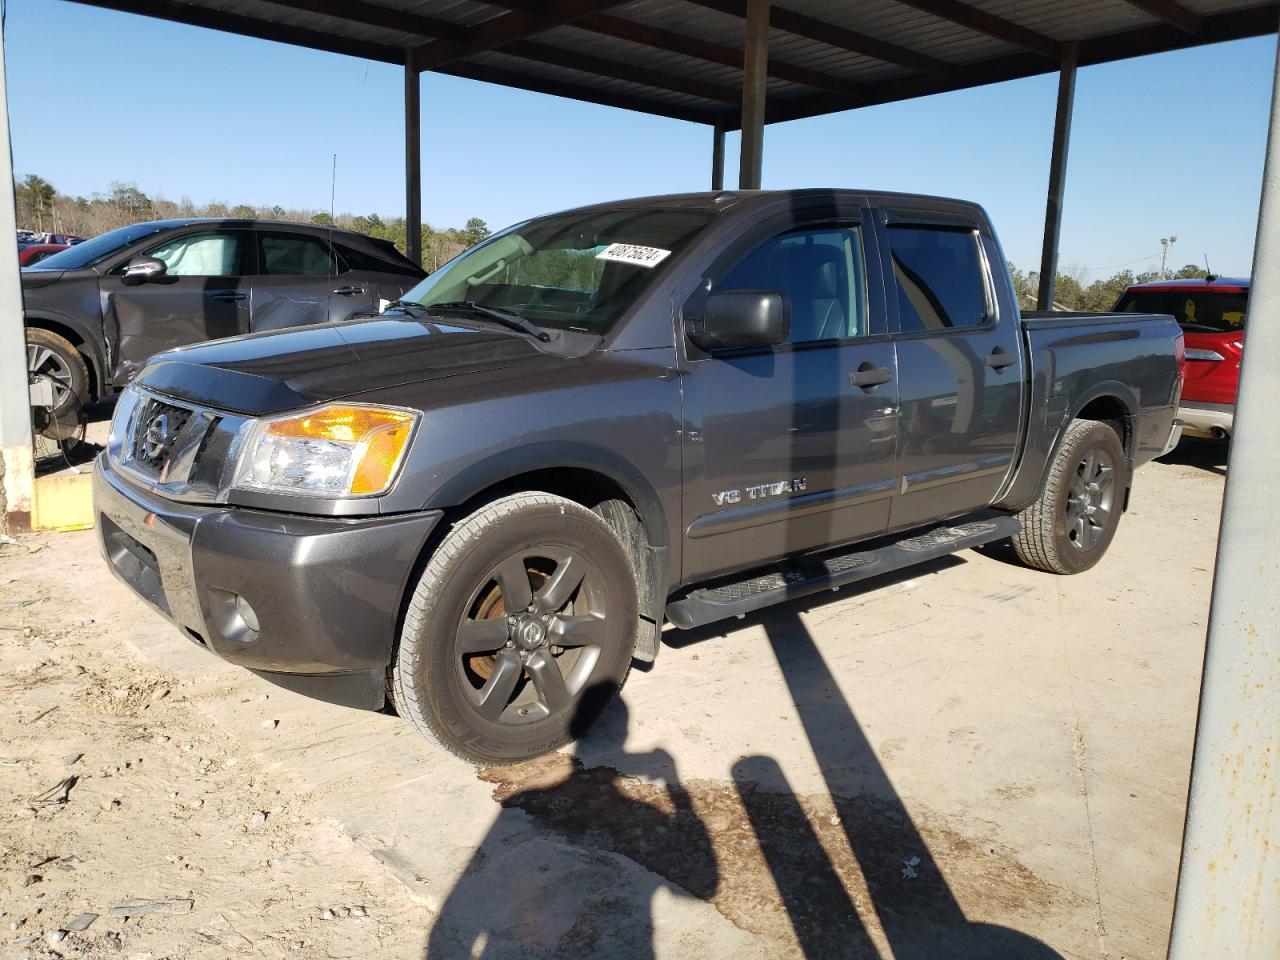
(1165, 243)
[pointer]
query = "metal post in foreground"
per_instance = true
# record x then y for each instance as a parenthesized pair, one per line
(1228, 902)
(755, 64)
(412, 159)
(717, 155)
(1057, 176)
(17, 472)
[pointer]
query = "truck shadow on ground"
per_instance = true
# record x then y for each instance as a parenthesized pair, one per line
(1208, 455)
(845, 873)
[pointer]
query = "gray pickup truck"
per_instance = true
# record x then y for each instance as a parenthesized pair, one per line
(483, 506)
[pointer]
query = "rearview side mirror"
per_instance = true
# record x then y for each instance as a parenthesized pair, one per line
(742, 318)
(141, 269)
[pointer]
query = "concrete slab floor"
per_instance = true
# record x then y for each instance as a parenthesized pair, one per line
(967, 760)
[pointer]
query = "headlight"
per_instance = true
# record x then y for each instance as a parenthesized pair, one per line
(335, 451)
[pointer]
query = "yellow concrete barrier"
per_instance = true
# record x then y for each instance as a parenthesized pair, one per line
(63, 502)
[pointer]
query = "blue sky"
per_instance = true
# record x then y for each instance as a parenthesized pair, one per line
(1160, 145)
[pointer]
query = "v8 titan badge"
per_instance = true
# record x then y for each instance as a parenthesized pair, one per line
(634, 254)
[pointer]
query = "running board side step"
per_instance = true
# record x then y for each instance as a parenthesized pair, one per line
(811, 574)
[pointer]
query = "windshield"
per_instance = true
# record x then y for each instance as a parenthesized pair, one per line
(1197, 311)
(571, 272)
(91, 251)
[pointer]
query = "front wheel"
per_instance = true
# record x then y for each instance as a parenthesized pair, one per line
(1070, 527)
(519, 632)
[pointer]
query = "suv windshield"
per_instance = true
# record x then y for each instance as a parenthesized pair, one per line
(91, 251)
(1197, 311)
(570, 272)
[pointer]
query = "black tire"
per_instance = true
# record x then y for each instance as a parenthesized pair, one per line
(1070, 527)
(57, 359)
(461, 646)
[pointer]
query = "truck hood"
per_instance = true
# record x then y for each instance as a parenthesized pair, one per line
(283, 370)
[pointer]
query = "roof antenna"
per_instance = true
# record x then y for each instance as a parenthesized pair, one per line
(1208, 274)
(333, 189)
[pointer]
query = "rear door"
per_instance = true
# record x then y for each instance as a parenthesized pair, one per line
(386, 277)
(204, 295)
(959, 365)
(791, 448)
(300, 282)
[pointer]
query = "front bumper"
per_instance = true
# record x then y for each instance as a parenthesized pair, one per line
(1208, 420)
(310, 603)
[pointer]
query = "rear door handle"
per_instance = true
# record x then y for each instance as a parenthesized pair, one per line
(868, 376)
(229, 297)
(349, 291)
(997, 359)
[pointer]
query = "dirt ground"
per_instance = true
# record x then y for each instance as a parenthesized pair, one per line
(967, 760)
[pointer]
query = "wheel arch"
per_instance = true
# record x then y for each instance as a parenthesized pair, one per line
(78, 338)
(589, 475)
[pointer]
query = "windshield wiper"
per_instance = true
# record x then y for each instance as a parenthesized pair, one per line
(406, 305)
(511, 320)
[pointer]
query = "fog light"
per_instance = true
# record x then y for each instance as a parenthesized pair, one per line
(247, 613)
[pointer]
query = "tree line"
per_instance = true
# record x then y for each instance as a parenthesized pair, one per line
(43, 208)
(1072, 293)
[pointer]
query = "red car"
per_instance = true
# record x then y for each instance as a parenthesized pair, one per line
(1211, 313)
(35, 252)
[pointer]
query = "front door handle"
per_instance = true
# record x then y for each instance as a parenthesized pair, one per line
(869, 376)
(349, 291)
(228, 297)
(997, 359)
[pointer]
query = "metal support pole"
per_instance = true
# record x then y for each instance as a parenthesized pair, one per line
(412, 159)
(17, 472)
(755, 71)
(1057, 176)
(717, 155)
(1228, 902)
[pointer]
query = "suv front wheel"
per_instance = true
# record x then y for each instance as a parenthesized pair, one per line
(519, 632)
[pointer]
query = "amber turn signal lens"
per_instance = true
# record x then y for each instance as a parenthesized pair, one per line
(378, 436)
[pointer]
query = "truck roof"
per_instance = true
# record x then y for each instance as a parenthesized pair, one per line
(725, 200)
(1221, 284)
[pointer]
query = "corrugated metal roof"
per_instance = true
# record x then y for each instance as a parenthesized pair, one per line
(682, 58)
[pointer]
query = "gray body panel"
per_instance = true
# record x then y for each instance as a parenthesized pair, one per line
(119, 327)
(945, 433)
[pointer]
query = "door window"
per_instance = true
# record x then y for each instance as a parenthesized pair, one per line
(820, 270)
(200, 255)
(284, 255)
(940, 278)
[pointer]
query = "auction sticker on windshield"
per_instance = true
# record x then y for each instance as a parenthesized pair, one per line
(633, 254)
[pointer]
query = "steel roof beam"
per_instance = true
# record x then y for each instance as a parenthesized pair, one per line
(507, 28)
(616, 70)
(699, 49)
(973, 18)
(191, 15)
(838, 37)
(1170, 12)
(376, 15)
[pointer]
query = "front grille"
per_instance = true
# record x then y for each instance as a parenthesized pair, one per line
(158, 426)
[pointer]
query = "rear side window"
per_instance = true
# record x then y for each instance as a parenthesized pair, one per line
(940, 278)
(285, 255)
(370, 263)
(1197, 311)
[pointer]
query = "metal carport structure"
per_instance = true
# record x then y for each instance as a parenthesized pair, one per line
(742, 64)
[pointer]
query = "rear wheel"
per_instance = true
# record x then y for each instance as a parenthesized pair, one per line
(1070, 527)
(56, 360)
(519, 632)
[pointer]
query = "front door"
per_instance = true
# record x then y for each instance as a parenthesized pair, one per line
(203, 295)
(791, 448)
(960, 370)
